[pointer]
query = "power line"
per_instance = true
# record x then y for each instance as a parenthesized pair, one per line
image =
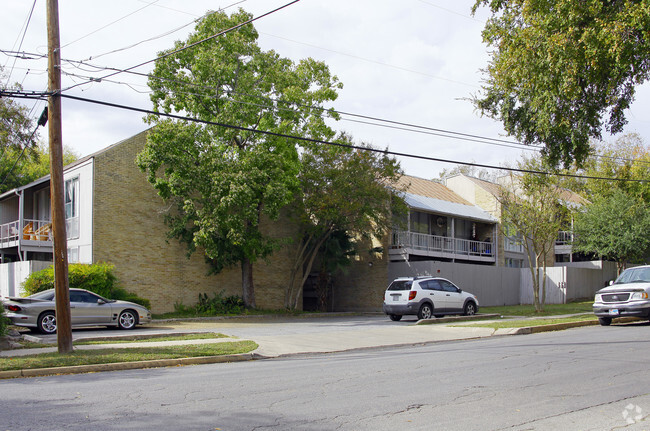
(167, 33)
(196, 43)
(29, 18)
(110, 23)
(338, 144)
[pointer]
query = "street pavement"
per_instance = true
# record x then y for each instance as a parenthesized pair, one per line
(276, 337)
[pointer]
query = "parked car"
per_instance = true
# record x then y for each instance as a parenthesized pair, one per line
(427, 297)
(628, 295)
(86, 309)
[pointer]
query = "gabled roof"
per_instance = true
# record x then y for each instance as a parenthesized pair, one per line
(74, 164)
(490, 187)
(430, 196)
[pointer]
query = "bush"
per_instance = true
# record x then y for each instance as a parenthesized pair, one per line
(4, 322)
(97, 277)
(213, 306)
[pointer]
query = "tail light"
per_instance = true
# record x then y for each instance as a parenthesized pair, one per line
(13, 308)
(412, 294)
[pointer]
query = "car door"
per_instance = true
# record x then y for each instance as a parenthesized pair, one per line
(453, 297)
(86, 309)
(433, 290)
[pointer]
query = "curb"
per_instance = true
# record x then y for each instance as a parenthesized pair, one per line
(452, 319)
(558, 326)
(120, 366)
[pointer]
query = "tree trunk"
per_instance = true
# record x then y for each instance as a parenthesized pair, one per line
(248, 289)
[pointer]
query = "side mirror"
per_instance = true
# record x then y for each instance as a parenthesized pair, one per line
(610, 282)
(101, 302)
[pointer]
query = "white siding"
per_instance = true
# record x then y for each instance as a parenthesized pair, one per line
(80, 248)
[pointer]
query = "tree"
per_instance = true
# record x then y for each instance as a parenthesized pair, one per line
(342, 191)
(223, 181)
(18, 168)
(559, 66)
(531, 207)
(614, 226)
(627, 159)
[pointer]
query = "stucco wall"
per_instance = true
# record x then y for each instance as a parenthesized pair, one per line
(129, 232)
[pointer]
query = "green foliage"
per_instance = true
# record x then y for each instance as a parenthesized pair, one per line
(223, 181)
(614, 227)
(559, 66)
(98, 278)
(218, 305)
(342, 190)
(532, 207)
(4, 322)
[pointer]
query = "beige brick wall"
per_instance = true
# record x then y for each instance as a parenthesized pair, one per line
(361, 287)
(129, 232)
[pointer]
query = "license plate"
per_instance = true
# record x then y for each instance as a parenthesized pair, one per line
(613, 312)
(396, 297)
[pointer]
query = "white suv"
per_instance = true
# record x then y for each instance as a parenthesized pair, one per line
(427, 297)
(629, 295)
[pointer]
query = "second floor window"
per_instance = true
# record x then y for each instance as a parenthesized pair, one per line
(72, 207)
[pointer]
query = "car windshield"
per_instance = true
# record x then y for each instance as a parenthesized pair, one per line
(400, 285)
(634, 275)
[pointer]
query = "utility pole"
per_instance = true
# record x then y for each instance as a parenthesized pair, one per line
(62, 294)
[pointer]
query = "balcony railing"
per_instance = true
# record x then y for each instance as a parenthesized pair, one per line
(30, 230)
(443, 246)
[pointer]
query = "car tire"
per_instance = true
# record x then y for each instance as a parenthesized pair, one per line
(605, 321)
(425, 311)
(469, 309)
(47, 323)
(395, 317)
(127, 319)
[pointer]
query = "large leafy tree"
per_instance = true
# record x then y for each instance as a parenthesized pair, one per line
(344, 192)
(614, 226)
(562, 70)
(223, 181)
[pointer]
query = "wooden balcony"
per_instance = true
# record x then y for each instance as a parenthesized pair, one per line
(405, 244)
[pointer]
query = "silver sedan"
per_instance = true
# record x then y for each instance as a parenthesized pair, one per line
(86, 309)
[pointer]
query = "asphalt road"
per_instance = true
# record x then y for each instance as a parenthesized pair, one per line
(591, 378)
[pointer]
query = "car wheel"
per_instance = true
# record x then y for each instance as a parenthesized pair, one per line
(470, 309)
(47, 323)
(127, 319)
(395, 317)
(605, 321)
(425, 312)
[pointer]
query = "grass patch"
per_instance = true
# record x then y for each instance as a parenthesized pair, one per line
(519, 323)
(202, 336)
(108, 356)
(549, 309)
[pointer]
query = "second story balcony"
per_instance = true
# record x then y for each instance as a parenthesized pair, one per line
(405, 243)
(34, 234)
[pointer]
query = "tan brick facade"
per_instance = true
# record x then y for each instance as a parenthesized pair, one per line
(129, 232)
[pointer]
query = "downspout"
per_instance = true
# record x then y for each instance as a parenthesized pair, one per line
(20, 222)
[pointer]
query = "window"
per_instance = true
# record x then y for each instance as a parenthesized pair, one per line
(71, 204)
(448, 286)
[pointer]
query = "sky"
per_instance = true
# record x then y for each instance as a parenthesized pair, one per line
(414, 62)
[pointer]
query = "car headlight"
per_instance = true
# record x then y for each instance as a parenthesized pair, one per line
(640, 295)
(597, 298)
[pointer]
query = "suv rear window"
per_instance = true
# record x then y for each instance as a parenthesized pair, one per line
(400, 285)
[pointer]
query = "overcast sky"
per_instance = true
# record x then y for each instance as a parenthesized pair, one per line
(409, 61)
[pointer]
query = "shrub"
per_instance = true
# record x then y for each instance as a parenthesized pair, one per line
(97, 277)
(4, 322)
(212, 306)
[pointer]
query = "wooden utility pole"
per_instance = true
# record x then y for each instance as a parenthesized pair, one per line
(62, 294)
